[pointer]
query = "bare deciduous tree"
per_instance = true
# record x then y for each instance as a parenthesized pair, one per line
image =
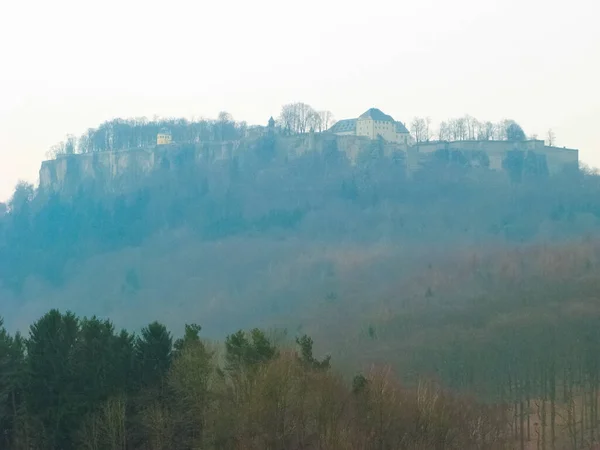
(314, 121)
(70, 144)
(471, 127)
(486, 131)
(457, 129)
(419, 128)
(305, 114)
(326, 119)
(443, 132)
(288, 118)
(551, 138)
(297, 117)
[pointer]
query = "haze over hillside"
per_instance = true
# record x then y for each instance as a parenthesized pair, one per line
(473, 261)
(270, 229)
(324, 225)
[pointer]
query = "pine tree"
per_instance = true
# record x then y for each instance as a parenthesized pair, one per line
(51, 386)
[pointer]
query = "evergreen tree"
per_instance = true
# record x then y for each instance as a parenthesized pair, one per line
(245, 352)
(12, 359)
(306, 354)
(51, 393)
(153, 354)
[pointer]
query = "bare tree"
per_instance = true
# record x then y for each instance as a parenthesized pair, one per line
(314, 121)
(326, 119)
(56, 150)
(452, 130)
(472, 126)
(305, 115)
(444, 132)
(457, 129)
(461, 129)
(419, 128)
(550, 138)
(83, 144)
(225, 126)
(486, 131)
(70, 144)
(500, 131)
(288, 118)
(297, 117)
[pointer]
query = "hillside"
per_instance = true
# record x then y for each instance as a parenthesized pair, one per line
(251, 236)
(484, 279)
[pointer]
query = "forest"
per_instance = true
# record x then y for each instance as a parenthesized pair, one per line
(80, 384)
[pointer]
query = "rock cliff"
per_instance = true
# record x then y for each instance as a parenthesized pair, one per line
(114, 170)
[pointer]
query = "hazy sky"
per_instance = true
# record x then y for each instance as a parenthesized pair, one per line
(68, 65)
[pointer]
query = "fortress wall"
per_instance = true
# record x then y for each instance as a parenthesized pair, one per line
(110, 167)
(557, 158)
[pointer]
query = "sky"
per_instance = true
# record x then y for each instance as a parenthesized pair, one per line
(69, 65)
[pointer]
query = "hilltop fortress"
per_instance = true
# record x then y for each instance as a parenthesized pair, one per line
(371, 134)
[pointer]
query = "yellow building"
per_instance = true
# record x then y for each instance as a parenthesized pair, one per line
(373, 124)
(164, 137)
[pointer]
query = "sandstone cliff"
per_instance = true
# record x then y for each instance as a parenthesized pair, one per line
(114, 170)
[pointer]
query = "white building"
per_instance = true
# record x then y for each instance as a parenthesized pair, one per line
(373, 124)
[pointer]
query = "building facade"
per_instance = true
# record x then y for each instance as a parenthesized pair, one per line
(164, 137)
(373, 124)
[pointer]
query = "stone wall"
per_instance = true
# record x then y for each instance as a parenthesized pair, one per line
(113, 169)
(496, 152)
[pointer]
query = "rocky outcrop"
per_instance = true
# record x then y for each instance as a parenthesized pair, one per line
(114, 170)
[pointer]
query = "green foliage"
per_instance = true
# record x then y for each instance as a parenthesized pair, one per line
(306, 354)
(11, 385)
(74, 388)
(246, 350)
(52, 394)
(359, 384)
(190, 337)
(514, 132)
(153, 354)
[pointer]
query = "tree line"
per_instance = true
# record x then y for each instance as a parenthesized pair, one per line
(469, 128)
(297, 118)
(294, 118)
(124, 134)
(78, 383)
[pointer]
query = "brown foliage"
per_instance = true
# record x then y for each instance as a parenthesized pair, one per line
(291, 407)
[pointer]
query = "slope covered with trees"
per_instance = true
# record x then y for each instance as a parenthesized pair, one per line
(483, 280)
(85, 250)
(79, 384)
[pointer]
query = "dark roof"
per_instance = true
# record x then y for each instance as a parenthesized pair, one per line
(376, 114)
(400, 128)
(343, 126)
